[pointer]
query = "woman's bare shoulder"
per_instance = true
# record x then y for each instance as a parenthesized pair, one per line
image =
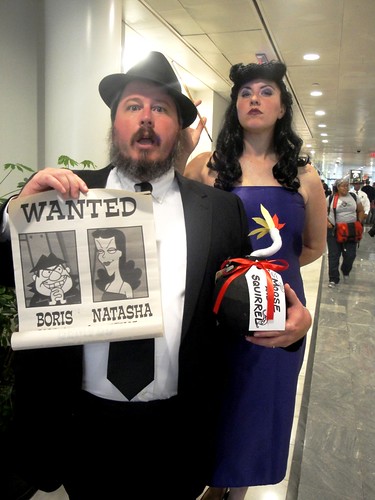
(311, 185)
(308, 174)
(197, 169)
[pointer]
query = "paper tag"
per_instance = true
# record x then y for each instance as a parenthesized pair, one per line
(257, 284)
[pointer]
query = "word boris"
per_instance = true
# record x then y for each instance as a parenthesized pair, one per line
(55, 318)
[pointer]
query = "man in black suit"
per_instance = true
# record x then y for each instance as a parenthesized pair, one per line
(370, 191)
(73, 426)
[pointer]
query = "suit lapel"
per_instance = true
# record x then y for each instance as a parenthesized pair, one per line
(197, 213)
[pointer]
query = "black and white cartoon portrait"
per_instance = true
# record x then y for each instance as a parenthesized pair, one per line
(51, 259)
(117, 277)
(52, 283)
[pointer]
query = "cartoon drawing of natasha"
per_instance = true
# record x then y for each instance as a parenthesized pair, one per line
(118, 277)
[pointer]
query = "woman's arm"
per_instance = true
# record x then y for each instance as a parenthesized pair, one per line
(189, 140)
(315, 230)
(197, 169)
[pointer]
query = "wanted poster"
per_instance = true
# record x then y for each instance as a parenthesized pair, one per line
(86, 270)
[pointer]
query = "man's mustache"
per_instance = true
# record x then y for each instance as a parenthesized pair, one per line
(146, 132)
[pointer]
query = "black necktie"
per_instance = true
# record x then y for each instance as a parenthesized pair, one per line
(131, 363)
(143, 186)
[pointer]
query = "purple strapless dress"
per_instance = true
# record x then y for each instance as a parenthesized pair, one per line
(254, 434)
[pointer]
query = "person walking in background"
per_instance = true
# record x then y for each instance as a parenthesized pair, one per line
(327, 191)
(257, 157)
(74, 426)
(363, 198)
(370, 191)
(371, 231)
(348, 208)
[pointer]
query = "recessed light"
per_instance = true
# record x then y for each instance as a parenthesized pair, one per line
(320, 113)
(311, 57)
(261, 58)
(323, 134)
(322, 125)
(316, 93)
(325, 140)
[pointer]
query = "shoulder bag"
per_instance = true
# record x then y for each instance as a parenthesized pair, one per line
(347, 231)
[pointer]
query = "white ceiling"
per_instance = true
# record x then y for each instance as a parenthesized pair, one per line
(205, 37)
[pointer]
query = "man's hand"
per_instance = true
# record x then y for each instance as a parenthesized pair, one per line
(66, 182)
(297, 324)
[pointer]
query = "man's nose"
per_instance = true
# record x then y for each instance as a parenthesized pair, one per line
(147, 118)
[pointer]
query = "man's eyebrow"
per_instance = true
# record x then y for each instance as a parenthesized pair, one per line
(165, 99)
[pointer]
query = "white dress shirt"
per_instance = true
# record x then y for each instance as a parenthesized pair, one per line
(171, 245)
(363, 198)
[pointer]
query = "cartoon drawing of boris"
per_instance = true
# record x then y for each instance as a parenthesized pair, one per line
(53, 283)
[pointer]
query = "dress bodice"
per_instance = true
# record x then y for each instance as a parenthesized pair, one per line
(287, 209)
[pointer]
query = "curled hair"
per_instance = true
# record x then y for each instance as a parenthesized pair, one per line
(128, 272)
(230, 143)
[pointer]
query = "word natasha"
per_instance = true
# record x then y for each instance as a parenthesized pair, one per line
(131, 312)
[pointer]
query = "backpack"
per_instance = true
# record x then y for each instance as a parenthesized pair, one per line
(345, 231)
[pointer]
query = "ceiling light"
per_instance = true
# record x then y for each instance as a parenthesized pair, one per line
(323, 134)
(325, 140)
(316, 93)
(311, 57)
(322, 125)
(320, 113)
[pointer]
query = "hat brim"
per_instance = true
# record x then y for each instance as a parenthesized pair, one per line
(112, 85)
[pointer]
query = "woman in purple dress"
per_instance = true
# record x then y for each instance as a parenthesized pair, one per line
(257, 156)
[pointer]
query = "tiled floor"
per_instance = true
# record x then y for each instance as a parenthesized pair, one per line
(334, 455)
(332, 450)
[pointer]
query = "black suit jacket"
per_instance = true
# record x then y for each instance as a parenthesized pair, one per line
(49, 380)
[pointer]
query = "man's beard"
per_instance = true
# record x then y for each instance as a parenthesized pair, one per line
(142, 169)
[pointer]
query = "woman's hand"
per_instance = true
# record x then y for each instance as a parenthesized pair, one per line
(297, 324)
(189, 140)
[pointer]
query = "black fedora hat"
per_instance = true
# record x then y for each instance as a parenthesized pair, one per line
(154, 68)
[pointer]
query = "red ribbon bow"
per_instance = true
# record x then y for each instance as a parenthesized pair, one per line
(243, 266)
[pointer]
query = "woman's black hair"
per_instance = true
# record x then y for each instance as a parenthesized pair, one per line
(286, 143)
(128, 271)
